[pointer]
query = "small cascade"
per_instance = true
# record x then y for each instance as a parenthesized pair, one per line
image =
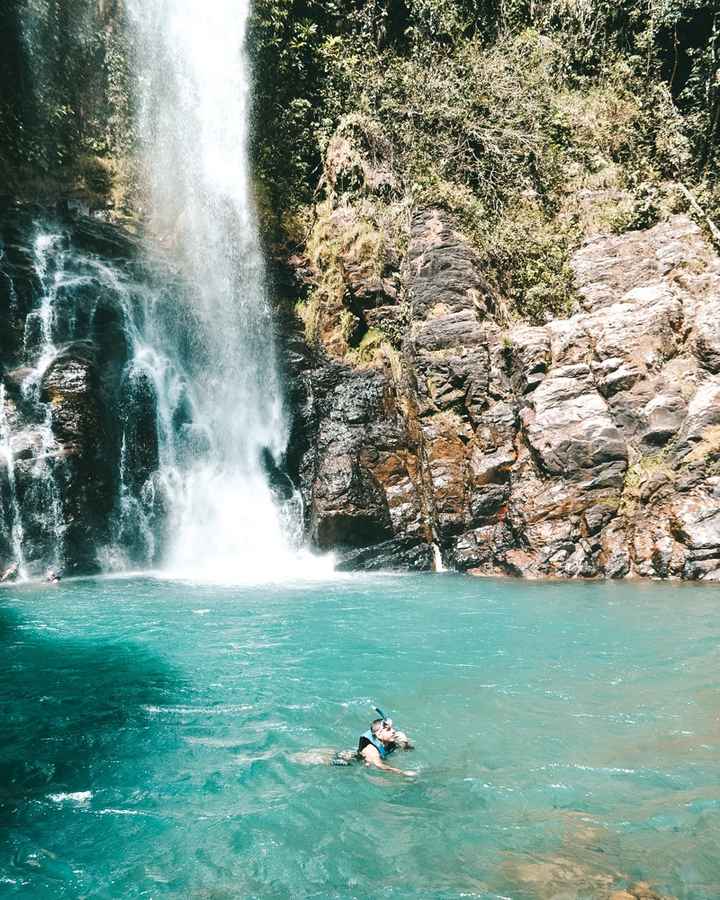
(48, 258)
(12, 517)
(34, 527)
(44, 495)
(438, 565)
(83, 352)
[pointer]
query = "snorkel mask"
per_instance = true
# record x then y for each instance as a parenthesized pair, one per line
(399, 737)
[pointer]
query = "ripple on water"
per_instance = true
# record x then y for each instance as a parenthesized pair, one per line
(77, 797)
(228, 709)
(151, 749)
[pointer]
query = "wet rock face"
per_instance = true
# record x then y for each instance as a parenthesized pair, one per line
(71, 385)
(587, 447)
(61, 380)
(349, 453)
(18, 287)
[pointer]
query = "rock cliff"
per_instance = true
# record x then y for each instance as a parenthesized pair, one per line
(426, 423)
(74, 427)
(589, 446)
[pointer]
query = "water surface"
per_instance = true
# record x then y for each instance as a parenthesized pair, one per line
(156, 738)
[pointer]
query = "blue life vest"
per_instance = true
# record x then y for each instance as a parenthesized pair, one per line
(377, 744)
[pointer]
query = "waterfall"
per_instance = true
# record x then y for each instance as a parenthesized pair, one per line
(229, 430)
(438, 564)
(142, 422)
(12, 515)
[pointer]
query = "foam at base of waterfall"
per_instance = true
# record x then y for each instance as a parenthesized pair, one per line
(228, 529)
(302, 567)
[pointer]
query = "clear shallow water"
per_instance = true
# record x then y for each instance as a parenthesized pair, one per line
(154, 739)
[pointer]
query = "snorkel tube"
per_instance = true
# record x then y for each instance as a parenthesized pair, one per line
(398, 736)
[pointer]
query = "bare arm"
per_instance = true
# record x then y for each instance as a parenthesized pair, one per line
(403, 741)
(372, 758)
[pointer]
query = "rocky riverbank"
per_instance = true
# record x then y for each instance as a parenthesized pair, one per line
(586, 447)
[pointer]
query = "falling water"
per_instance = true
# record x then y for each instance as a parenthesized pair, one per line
(12, 515)
(179, 348)
(82, 300)
(226, 520)
(37, 522)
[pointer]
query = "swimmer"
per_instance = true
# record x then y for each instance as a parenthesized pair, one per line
(378, 742)
(375, 745)
(52, 577)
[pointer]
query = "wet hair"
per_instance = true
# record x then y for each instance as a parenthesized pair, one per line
(376, 725)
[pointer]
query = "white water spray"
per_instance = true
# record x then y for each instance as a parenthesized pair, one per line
(6, 453)
(195, 97)
(438, 564)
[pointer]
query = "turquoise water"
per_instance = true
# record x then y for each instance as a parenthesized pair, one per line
(159, 739)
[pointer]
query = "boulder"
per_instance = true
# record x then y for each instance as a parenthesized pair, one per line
(71, 384)
(707, 337)
(569, 428)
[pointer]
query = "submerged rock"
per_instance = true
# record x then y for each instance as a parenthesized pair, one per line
(398, 554)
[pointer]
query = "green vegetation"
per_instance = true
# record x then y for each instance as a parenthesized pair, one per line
(706, 451)
(317, 60)
(534, 123)
(370, 344)
(65, 122)
(655, 466)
